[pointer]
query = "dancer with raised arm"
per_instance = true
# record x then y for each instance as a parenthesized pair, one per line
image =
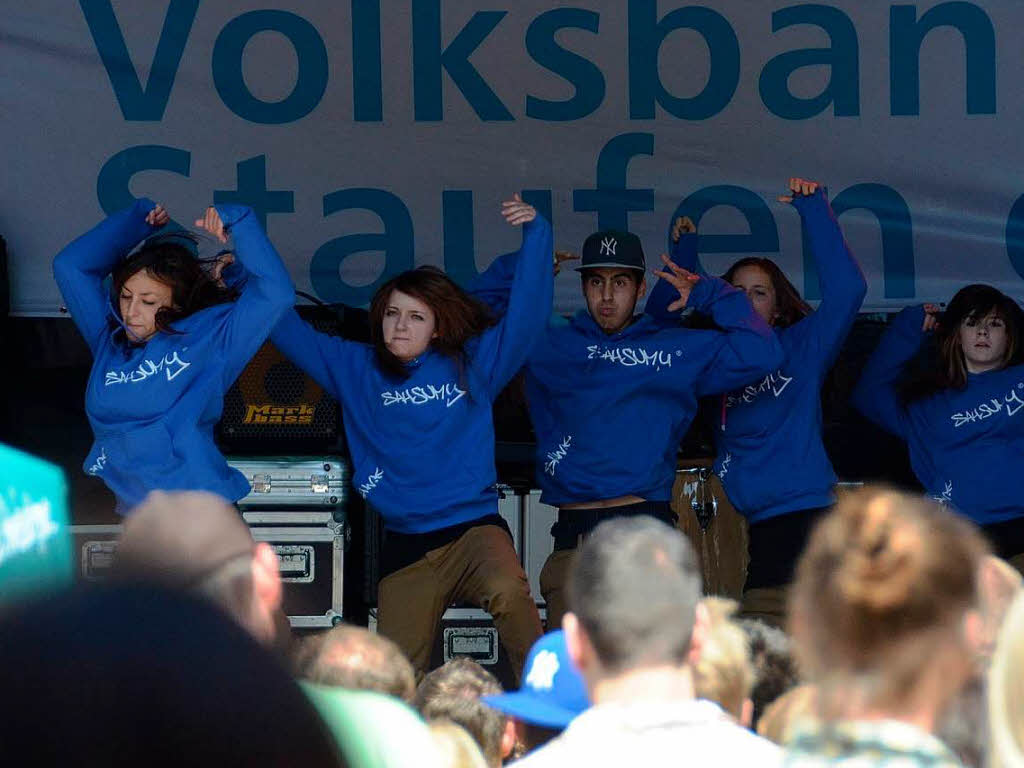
(167, 342)
(417, 413)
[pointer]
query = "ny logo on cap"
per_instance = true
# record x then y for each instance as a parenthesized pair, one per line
(544, 668)
(608, 246)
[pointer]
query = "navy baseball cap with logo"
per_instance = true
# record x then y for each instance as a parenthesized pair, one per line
(552, 692)
(612, 248)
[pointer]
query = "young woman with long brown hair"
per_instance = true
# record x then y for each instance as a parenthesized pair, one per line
(417, 412)
(771, 459)
(167, 343)
(962, 416)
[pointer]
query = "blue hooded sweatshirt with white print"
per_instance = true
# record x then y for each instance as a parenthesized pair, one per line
(966, 445)
(153, 406)
(770, 456)
(609, 411)
(423, 447)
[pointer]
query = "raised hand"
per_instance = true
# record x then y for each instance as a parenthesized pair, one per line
(158, 217)
(517, 212)
(683, 225)
(561, 256)
(211, 223)
(799, 188)
(931, 317)
(217, 271)
(681, 279)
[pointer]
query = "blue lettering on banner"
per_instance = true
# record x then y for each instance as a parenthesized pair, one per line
(907, 33)
(252, 191)
(396, 242)
(584, 76)
(647, 33)
(230, 81)
(136, 102)
(843, 90)
(429, 60)
(763, 236)
(367, 89)
(612, 199)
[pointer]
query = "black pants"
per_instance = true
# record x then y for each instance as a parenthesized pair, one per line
(574, 524)
(775, 546)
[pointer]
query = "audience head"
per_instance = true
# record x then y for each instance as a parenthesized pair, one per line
(774, 668)
(355, 658)
(132, 675)
(771, 293)
(723, 673)
(196, 541)
(884, 603)
(1006, 692)
(781, 715)
(633, 592)
(454, 692)
(455, 747)
(551, 695)
(419, 309)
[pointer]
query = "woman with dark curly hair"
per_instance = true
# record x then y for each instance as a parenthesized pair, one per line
(960, 417)
(167, 343)
(417, 414)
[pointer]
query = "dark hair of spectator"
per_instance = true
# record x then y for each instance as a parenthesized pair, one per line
(634, 587)
(774, 669)
(355, 658)
(453, 691)
(459, 317)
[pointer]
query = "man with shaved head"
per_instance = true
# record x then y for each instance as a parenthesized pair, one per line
(355, 658)
(197, 542)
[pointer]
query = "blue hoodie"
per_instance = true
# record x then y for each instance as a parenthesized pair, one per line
(609, 411)
(153, 406)
(423, 447)
(771, 459)
(966, 445)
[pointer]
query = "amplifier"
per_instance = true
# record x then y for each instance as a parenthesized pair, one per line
(275, 407)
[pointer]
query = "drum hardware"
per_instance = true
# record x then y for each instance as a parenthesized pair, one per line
(703, 503)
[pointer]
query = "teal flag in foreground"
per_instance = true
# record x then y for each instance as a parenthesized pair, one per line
(35, 540)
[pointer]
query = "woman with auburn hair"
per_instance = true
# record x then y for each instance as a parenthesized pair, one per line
(770, 456)
(417, 414)
(167, 343)
(885, 623)
(960, 418)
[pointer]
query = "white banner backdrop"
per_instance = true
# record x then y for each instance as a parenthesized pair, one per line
(374, 135)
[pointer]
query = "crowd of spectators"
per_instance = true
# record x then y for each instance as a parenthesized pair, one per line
(905, 646)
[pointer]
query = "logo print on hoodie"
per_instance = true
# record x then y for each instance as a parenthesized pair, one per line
(775, 383)
(557, 455)
(1011, 402)
(630, 357)
(171, 365)
(450, 393)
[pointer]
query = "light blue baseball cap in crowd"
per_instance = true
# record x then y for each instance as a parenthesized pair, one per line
(552, 692)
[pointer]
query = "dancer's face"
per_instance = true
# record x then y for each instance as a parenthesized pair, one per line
(757, 284)
(611, 294)
(409, 326)
(983, 340)
(141, 298)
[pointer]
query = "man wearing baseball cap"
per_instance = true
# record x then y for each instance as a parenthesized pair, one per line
(551, 695)
(611, 393)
